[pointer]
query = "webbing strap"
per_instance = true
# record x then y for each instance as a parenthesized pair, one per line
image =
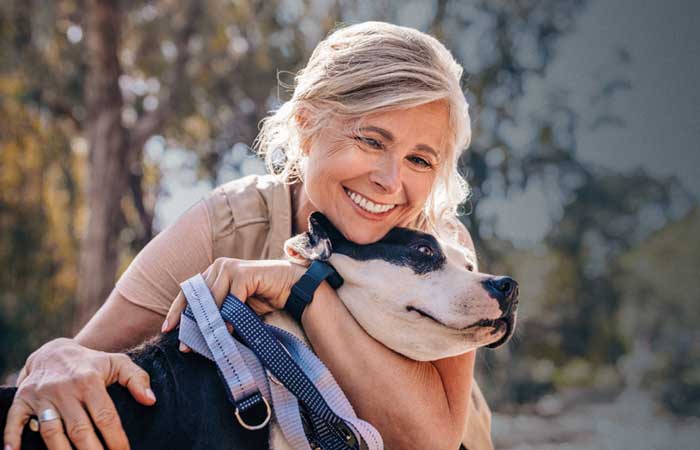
(328, 387)
(333, 422)
(220, 346)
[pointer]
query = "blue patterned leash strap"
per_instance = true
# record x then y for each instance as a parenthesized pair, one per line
(310, 393)
(238, 367)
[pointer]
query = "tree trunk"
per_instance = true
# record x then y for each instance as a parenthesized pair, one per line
(108, 151)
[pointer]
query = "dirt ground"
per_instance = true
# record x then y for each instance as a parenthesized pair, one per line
(632, 421)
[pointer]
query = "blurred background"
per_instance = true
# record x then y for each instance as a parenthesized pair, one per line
(584, 169)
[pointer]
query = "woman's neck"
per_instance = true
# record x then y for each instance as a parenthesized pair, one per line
(301, 208)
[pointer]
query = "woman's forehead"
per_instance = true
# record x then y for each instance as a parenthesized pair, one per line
(425, 126)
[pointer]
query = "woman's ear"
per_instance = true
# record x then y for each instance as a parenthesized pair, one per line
(302, 117)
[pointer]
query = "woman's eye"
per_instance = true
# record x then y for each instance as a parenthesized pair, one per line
(420, 161)
(371, 142)
(424, 249)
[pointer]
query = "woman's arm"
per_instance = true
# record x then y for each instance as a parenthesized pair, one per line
(137, 305)
(412, 404)
(119, 325)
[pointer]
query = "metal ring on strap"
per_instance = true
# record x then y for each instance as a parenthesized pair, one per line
(259, 426)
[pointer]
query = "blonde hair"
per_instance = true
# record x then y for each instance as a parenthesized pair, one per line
(367, 68)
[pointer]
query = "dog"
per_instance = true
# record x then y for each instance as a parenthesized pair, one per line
(416, 294)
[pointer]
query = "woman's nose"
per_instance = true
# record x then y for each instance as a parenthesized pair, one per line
(387, 175)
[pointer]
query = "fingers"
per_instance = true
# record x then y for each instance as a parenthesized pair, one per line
(219, 284)
(104, 415)
(22, 375)
(51, 431)
(78, 427)
(231, 279)
(172, 319)
(125, 372)
(17, 416)
(218, 278)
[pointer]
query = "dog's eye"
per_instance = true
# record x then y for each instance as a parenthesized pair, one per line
(470, 267)
(424, 249)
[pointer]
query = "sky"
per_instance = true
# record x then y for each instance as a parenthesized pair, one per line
(660, 111)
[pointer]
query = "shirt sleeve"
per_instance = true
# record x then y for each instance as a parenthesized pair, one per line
(180, 251)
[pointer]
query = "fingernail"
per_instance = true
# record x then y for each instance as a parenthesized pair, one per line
(164, 327)
(7, 447)
(182, 347)
(150, 394)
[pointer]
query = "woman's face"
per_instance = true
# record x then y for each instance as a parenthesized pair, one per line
(380, 177)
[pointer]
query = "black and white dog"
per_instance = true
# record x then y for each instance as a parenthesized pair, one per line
(415, 294)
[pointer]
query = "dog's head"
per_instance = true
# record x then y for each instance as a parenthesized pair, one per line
(417, 295)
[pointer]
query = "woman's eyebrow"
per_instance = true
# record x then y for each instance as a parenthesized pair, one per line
(386, 134)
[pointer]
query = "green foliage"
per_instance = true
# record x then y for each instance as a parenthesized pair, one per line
(38, 245)
(659, 313)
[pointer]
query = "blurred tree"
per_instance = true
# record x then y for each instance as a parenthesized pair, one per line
(38, 205)
(573, 312)
(659, 313)
(114, 147)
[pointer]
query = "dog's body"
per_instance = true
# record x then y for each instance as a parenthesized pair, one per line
(412, 293)
(192, 411)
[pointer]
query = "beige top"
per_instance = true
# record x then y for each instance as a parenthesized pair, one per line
(208, 230)
(248, 218)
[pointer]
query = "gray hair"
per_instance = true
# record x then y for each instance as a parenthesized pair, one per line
(368, 68)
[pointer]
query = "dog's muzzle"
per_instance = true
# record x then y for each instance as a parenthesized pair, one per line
(505, 321)
(505, 290)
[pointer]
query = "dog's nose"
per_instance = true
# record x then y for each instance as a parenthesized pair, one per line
(503, 289)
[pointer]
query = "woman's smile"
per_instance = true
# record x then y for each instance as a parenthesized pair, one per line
(368, 208)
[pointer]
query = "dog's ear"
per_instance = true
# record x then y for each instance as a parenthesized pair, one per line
(320, 226)
(313, 245)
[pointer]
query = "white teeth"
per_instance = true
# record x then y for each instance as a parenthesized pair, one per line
(367, 204)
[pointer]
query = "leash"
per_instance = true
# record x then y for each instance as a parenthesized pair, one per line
(308, 404)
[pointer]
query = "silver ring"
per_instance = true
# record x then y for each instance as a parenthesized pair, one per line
(48, 414)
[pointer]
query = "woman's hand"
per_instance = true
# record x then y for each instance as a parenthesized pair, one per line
(72, 380)
(264, 285)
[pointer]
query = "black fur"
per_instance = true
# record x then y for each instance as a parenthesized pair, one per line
(192, 410)
(400, 246)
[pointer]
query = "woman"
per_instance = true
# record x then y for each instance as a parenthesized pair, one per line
(371, 138)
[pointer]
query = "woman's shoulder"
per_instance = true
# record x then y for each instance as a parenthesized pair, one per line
(250, 216)
(248, 185)
(244, 200)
